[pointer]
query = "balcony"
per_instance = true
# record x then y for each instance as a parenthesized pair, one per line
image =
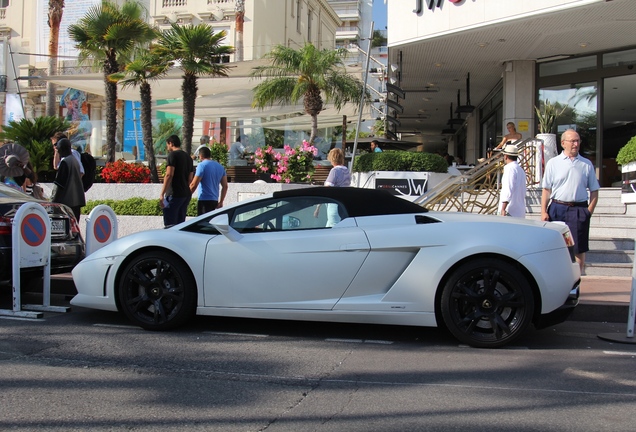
(174, 3)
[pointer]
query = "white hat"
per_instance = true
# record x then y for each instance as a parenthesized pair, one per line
(511, 150)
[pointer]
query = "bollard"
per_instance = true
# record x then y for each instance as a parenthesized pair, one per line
(629, 335)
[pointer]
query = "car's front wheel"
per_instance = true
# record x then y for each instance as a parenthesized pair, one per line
(487, 303)
(157, 291)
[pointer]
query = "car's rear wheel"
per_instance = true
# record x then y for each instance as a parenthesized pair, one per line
(487, 303)
(157, 291)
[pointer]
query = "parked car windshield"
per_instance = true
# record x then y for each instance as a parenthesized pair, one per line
(9, 192)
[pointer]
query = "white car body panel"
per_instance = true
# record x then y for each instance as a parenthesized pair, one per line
(385, 269)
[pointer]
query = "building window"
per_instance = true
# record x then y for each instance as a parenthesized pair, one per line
(292, 7)
(298, 20)
(309, 16)
(4, 3)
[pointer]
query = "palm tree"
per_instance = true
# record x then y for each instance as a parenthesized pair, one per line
(145, 68)
(197, 50)
(105, 34)
(56, 10)
(309, 74)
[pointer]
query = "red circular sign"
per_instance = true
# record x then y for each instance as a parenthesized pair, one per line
(33, 230)
(102, 229)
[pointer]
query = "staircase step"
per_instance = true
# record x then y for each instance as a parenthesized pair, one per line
(608, 269)
(612, 244)
(609, 256)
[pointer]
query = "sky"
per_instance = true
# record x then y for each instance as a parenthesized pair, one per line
(379, 14)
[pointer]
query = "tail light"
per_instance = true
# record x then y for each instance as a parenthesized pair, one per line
(5, 225)
(567, 236)
(75, 228)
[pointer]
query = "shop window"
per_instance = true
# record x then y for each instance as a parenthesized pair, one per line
(578, 64)
(621, 58)
(580, 114)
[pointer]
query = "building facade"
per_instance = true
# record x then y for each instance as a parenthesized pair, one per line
(252, 27)
(502, 58)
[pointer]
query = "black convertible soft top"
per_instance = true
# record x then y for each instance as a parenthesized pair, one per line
(359, 201)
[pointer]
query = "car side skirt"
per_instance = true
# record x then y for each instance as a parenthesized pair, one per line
(420, 319)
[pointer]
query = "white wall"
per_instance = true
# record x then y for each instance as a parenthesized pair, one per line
(404, 25)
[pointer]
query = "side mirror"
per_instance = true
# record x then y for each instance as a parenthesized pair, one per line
(222, 225)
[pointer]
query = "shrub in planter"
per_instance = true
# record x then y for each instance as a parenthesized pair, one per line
(400, 161)
(218, 152)
(136, 207)
(627, 153)
(293, 166)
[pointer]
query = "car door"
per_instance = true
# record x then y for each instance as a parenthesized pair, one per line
(286, 256)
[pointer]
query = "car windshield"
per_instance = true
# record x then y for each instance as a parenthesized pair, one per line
(9, 192)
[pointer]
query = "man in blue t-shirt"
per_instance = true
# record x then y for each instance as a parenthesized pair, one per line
(208, 176)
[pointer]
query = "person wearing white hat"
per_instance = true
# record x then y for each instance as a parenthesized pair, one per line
(512, 197)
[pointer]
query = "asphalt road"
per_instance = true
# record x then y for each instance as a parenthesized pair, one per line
(90, 370)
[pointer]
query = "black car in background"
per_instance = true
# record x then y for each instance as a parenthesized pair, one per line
(67, 244)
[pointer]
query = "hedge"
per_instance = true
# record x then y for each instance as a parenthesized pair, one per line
(400, 161)
(136, 207)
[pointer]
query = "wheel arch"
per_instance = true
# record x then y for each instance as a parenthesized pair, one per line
(134, 255)
(531, 280)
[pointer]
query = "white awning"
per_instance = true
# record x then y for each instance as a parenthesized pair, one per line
(167, 87)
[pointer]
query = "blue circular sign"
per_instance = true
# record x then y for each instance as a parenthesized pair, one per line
(102, 229)
(33, 230)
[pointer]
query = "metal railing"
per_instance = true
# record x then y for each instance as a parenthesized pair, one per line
(477, 190)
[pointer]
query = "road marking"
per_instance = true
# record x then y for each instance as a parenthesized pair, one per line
(599, 376)
(620, 353)
(128, 327)
(235, 334)
(369, 341)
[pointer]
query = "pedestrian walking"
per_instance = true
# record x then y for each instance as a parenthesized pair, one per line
(567, 179)
(512, 197)
(210, 178)
(175, 193)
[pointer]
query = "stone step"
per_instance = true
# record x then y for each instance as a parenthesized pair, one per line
(612, 244)
(608, 269)
(609, 256)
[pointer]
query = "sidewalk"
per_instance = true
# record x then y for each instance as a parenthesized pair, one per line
(605, 289)
(603, 298)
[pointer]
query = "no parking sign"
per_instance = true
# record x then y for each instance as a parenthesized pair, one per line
(101, 228)
(31, 238)
(32, 235)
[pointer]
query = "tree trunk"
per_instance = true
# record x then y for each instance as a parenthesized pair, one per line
(189, 90)
(111, 67)
(146, 129)
(314, 128)
(56, 9)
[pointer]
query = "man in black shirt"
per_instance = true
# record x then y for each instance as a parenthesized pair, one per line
(175, 194)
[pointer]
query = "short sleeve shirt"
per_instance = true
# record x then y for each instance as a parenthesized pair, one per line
(569, 179)
(211, 172)
(339, 176)
(182, 164)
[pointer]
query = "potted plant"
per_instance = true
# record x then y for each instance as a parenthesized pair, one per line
(626, 158)
(547, 113)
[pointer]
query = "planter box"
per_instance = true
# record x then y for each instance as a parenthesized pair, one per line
(405, 184)
(628, 183)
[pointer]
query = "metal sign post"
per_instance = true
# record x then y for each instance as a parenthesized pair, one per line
(31, 238)
(631, 317)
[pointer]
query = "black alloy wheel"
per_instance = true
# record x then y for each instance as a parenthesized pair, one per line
(157, 291)
(487, 303)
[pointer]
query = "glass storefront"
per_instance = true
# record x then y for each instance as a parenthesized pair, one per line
(600, 94)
